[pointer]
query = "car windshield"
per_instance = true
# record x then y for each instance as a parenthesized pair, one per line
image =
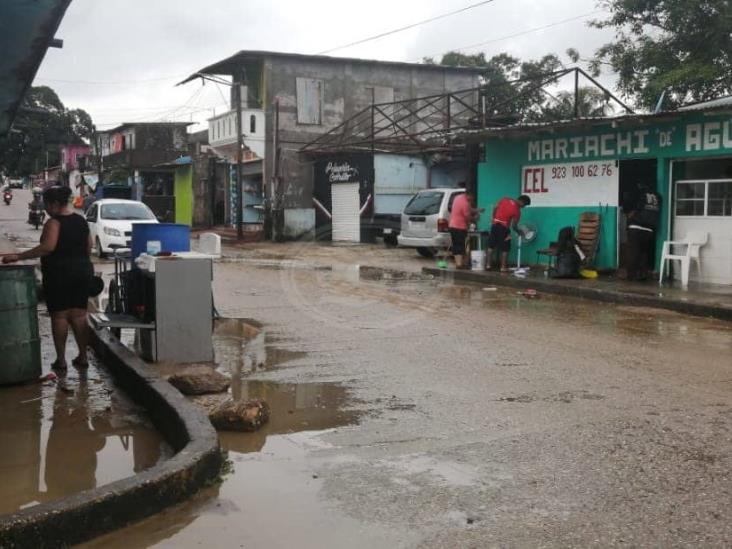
(126, 211)
(427, 203)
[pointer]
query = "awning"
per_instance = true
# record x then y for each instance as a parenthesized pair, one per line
(27, 30)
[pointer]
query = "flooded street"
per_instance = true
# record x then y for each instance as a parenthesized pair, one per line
(408, 412)
(79, 432)
(60, 438)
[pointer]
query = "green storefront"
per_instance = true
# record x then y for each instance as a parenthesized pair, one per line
(590, 165)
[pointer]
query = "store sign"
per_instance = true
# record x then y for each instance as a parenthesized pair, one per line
(341, 172)
(572, 184)
(683, 138)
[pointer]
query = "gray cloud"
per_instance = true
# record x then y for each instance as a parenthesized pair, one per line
(121, 58)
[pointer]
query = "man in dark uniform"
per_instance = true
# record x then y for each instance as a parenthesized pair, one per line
(643, 214)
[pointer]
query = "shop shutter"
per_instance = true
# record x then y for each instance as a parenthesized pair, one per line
(346, 215)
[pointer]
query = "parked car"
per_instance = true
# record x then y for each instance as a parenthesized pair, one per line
(110, 223)
(425, 221)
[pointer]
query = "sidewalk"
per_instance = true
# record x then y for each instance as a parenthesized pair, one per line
(700, 300)
(229, 235)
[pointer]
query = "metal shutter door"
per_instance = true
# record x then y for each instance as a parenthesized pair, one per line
(346, 214)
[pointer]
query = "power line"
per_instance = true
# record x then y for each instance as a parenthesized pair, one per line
(111, 82)
(401, 29)
(515, 35)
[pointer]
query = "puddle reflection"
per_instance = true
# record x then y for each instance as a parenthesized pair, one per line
(242, 346)
(60, 439)
(294, 408)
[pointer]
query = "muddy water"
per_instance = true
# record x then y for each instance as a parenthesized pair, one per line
(271, 496)
(60, 438)
(432, 295)
(275, 494)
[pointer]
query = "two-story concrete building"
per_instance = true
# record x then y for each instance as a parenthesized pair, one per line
(132, 156)
(289, 100)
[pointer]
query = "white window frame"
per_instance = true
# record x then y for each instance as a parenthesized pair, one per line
(706, 183)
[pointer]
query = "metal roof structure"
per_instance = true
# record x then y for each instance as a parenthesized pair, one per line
(231, 64)
(434, 124)
(719, 103)
(27, 29)
(481, 134)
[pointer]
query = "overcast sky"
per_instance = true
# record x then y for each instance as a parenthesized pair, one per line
(122, 58)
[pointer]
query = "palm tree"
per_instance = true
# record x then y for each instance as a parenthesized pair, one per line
(591, 103)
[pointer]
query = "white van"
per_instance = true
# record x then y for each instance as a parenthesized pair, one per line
(426, 219)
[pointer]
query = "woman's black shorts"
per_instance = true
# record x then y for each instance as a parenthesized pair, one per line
(458, 241)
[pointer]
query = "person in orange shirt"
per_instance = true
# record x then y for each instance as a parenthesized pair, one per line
(505, 217)
(462, 215)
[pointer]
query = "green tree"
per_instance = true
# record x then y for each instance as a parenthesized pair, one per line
(683, 47)
(42, 126)
(591, 103)
(511, 84)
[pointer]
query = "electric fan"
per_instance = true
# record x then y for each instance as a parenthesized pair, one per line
(527, 234)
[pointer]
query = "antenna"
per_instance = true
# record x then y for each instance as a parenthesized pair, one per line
(659, 105)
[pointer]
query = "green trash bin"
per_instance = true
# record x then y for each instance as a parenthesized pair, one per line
(20, 344)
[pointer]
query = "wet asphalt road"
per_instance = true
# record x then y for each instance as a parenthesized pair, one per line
(411, 413)
(473, 417)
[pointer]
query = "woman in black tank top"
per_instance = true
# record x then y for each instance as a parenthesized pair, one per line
(67, 273)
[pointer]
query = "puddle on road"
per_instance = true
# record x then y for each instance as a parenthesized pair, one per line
(416, 289)
(273, 481)
(294, 408)
(58, 439)
(242, 346)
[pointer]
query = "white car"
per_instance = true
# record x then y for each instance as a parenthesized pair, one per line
(110, 223)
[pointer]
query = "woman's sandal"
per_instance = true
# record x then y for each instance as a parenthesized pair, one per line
(58, 365)
(78, 364)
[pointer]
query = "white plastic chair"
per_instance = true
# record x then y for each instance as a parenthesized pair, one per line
(692, 244)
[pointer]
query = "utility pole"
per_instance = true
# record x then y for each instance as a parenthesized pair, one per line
(275, 201)
(239, 145)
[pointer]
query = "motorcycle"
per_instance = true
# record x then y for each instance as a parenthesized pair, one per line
(36, 217)
(7, 197)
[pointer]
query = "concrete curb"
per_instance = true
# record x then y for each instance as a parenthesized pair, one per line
(86, 515)
(585, 292)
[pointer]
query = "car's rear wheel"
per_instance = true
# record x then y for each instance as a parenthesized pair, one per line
(429, 253)
(100, 251)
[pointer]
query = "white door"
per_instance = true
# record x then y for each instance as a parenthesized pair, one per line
(345, 204)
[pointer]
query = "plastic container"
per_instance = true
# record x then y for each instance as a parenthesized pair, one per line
(477, 260)
(172, 237)
(20, 344)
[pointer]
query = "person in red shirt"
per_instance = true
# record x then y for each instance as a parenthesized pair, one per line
(505, 217)
(462, 215)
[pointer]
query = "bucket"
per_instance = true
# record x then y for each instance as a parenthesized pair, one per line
(164, 237)
(20, 344)
(477, 260)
